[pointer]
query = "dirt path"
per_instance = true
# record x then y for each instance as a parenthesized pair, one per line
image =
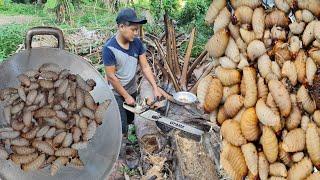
(18, 19)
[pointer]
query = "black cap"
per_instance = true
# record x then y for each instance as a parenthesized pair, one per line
(129, 15)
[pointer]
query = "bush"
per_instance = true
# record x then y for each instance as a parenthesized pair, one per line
(21, 9)
(192, 15)
(10, 37)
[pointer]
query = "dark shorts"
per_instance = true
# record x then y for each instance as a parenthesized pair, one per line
(127, 117)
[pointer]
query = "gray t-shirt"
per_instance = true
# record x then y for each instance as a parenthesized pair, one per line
(125, 61)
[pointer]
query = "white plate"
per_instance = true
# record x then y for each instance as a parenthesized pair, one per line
(185, 97)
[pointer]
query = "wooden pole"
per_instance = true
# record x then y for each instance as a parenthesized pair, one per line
(183, 80)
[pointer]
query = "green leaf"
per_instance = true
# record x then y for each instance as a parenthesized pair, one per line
(51, 4)
(71, 7)
(132, 138)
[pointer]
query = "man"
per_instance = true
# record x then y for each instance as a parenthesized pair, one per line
(121, 55)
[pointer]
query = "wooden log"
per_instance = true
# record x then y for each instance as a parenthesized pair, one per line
(149, 137)
(183, 80)
(193, 161)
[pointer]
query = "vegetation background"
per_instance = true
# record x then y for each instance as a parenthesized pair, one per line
(17, 16)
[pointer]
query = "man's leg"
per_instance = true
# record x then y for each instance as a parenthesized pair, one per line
(123, 115)
(124, 123)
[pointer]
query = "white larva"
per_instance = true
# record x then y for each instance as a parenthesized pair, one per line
(294, 44)
(297, 27)
(289, 70)
(43, 131)
(282, 5)
(222, 20)
(22, 93)
(316, 31)
(227, 63)
(67, 140)
(7, 114)
(243, 62)
(311, 69)
(307, 16)
(3, 154)
(80, 145)
(264, 65)
(50, 133)
(20, 142)
(308, 34)
(90, 132)
(9, 134)
(232, 51)
(276, 69)
(258, 22)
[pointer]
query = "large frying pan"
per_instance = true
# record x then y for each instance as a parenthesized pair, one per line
(103, 150)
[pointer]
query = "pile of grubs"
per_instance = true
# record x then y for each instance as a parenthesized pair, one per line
(50, 116)
(264, 92)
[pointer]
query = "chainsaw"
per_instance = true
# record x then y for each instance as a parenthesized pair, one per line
(147, 112)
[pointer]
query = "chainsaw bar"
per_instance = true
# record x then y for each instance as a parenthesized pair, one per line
(155, 116)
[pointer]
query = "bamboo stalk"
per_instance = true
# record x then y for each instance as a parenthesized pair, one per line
(166, 65)
(195, 63)
(167, 31)
(183, 80)
(164, 72)
(174, 51)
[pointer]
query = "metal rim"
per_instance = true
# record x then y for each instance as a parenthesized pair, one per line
(26, 52)
(185, 97)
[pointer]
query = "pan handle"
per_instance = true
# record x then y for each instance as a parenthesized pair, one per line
(44, 31)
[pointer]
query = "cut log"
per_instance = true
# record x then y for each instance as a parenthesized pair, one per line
(187, 149)
(194, 159)
(148, 135)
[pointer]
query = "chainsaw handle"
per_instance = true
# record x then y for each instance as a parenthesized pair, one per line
(131, 105)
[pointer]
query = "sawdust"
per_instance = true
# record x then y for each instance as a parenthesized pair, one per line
(155, 171)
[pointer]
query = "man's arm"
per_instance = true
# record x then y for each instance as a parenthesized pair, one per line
(115, 82)
(146, 70)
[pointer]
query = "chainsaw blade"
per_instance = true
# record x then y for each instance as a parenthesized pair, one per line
(155, 116)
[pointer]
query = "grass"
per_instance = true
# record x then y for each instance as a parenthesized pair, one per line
(97, 18)
(132, 134)
(130, 172)
(22, 9)
(12, 35)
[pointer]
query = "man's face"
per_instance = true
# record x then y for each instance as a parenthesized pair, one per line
(129, 32)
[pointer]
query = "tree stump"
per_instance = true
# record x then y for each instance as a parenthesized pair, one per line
(193, 158)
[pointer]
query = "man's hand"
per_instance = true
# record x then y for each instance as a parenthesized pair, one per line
(157, 93)
(130, 100)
